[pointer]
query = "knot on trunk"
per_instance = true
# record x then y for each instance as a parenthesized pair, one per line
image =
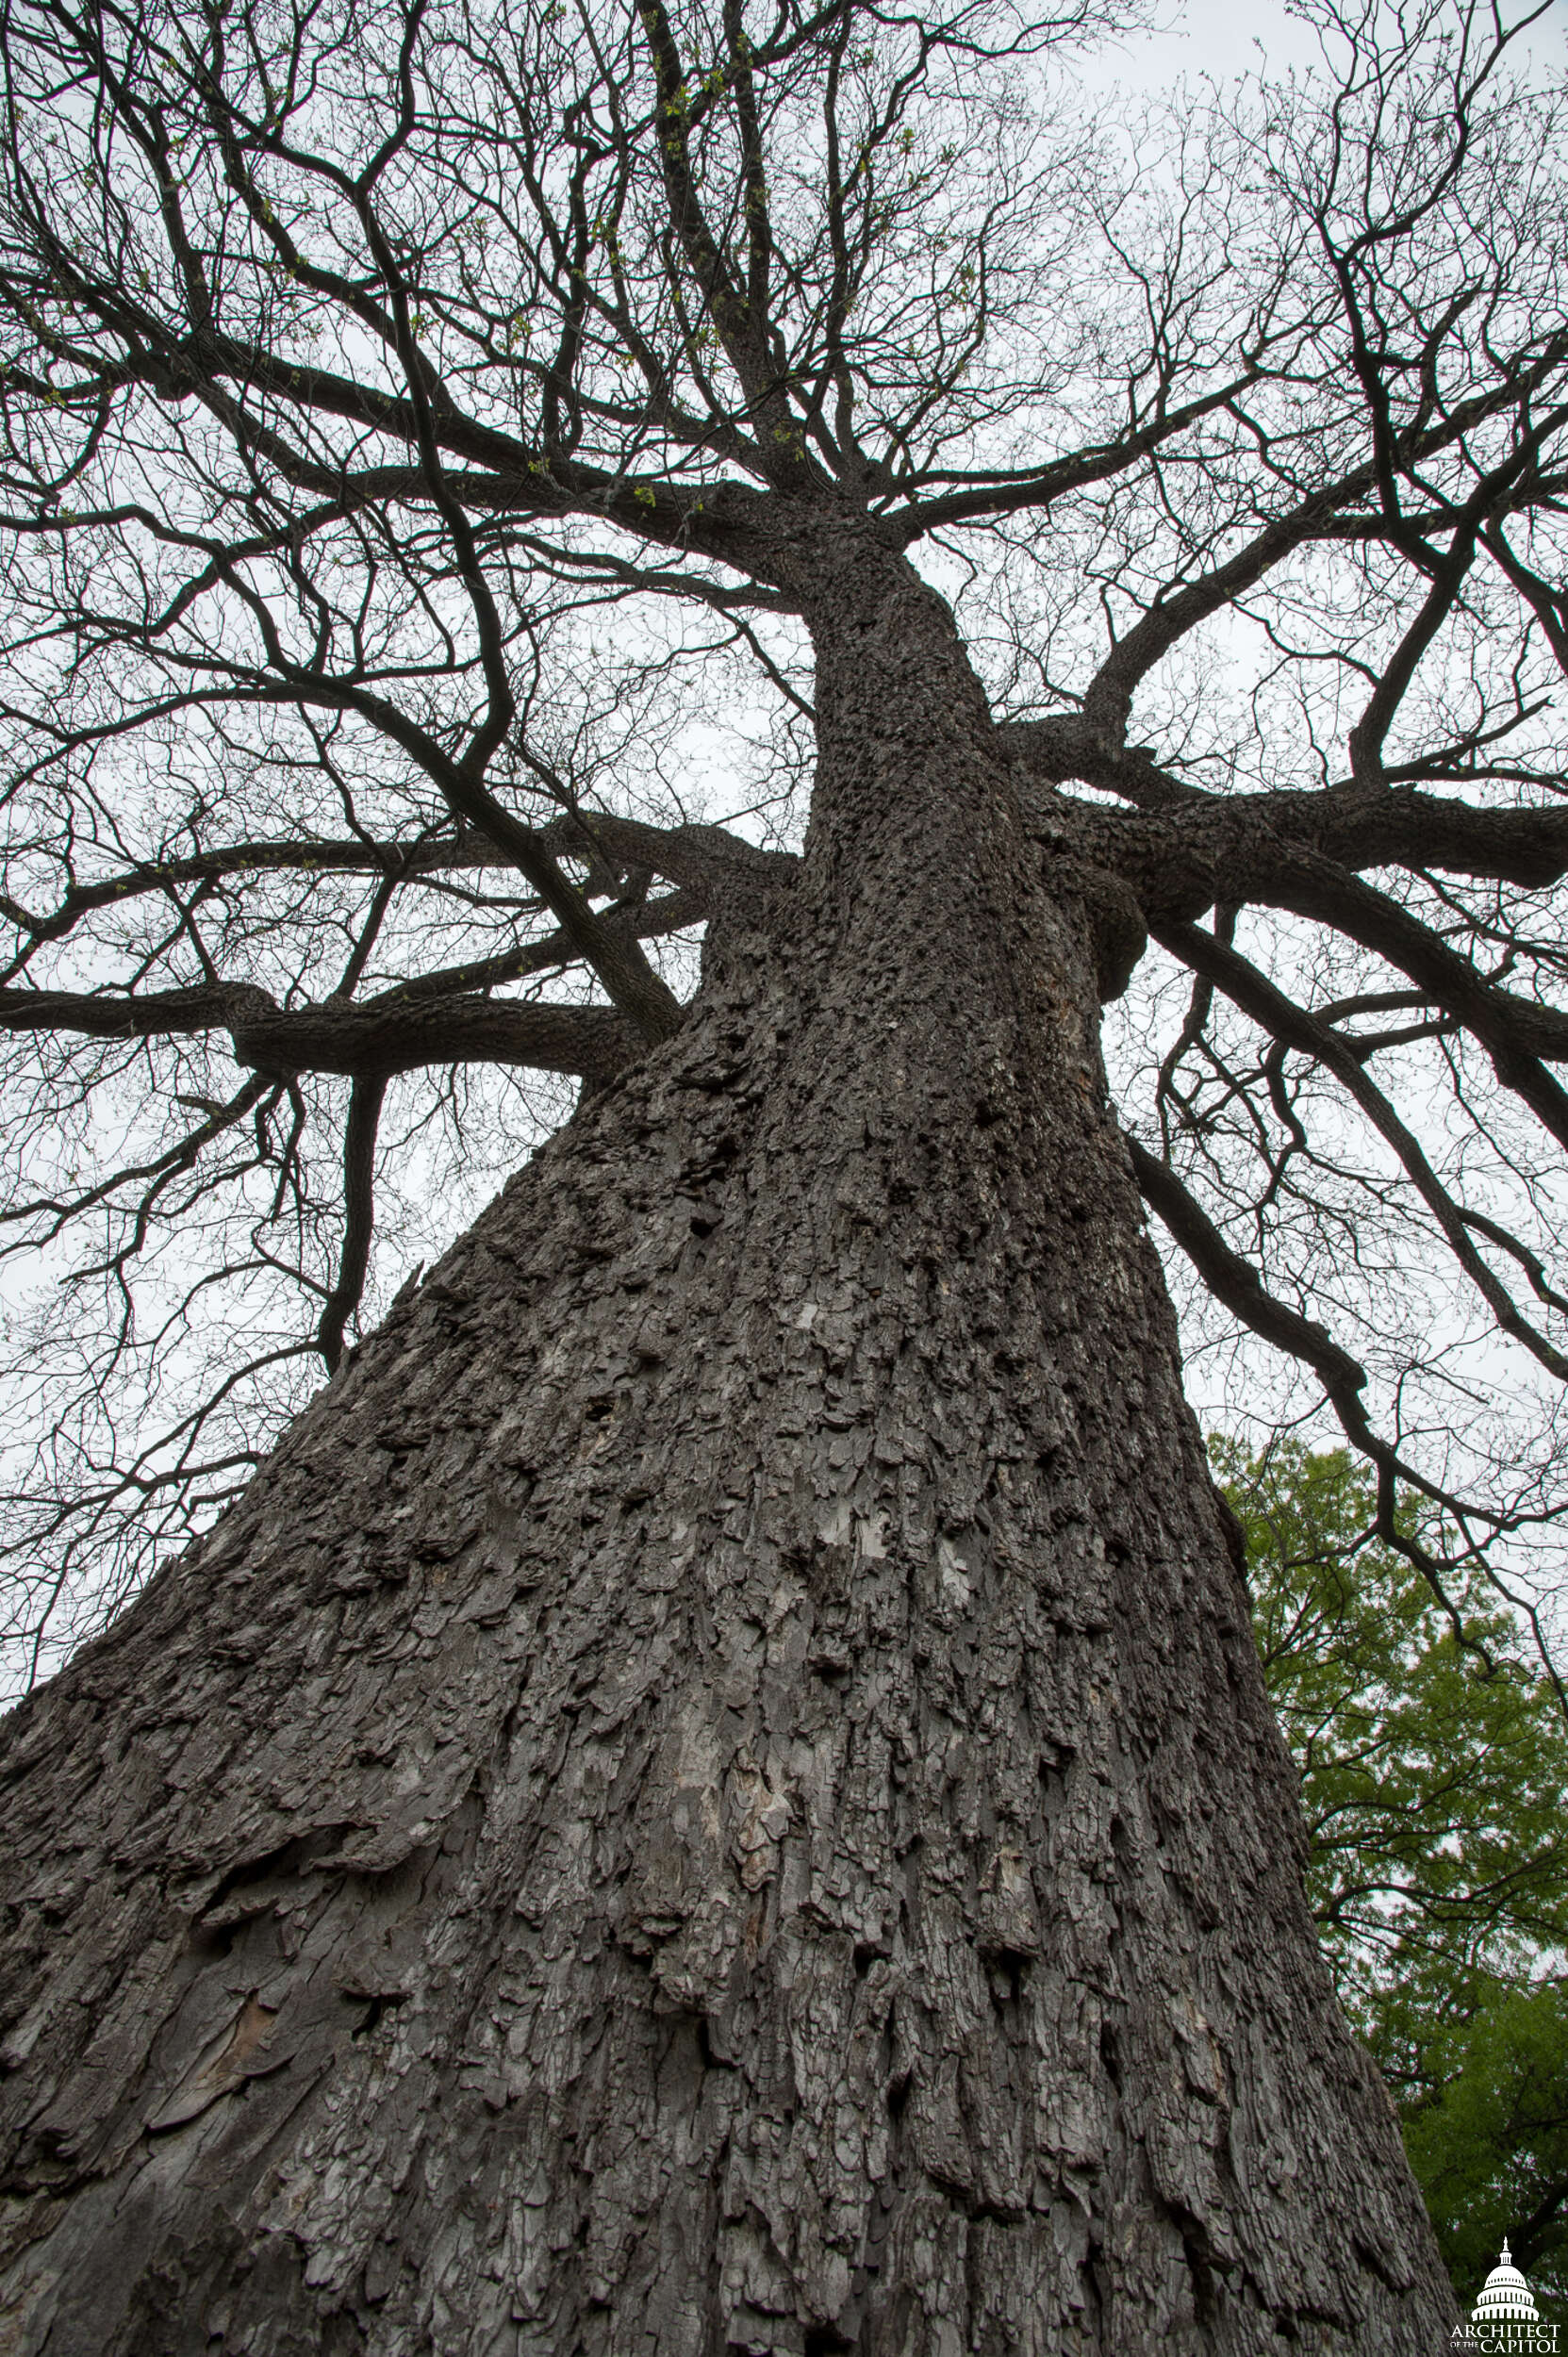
(1117, 931)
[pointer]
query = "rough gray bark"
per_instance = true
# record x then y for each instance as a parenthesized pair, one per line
(718, 1794)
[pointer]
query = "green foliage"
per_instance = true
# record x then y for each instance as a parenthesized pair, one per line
(1434, 1793)
(1490, 2148)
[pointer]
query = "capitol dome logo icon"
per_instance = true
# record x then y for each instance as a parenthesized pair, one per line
(1505, 2320)
(1507, 2296)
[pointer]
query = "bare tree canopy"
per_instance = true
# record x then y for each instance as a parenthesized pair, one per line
(420, 425)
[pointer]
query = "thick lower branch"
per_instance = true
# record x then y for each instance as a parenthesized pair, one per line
(384, 1037)
(1196, 854)
(703, 858)
(1357, 825)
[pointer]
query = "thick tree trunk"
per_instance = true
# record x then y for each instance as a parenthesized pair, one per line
(718, 1794)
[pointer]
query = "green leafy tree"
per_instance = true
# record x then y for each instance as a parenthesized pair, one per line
(1433, 1762)
(1489, 2143)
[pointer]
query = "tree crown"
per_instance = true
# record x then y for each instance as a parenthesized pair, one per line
(420, 419)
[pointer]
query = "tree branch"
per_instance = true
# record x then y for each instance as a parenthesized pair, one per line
(360, 1215)
(398, 1033)
(1257, 996)
(1234, 1282)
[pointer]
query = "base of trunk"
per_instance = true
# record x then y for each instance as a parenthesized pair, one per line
(716, 1796)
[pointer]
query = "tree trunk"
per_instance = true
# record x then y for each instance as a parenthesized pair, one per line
(717, 1794)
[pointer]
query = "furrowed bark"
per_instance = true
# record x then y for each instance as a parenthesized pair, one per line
(718, 1794)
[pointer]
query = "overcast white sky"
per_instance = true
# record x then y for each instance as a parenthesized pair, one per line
(1228, 37)
(1218, 37)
